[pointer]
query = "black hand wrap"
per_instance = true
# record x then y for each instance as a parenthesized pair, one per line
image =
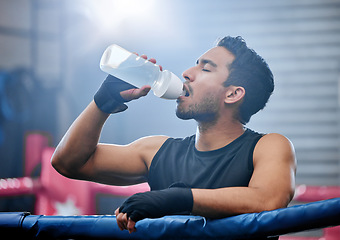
(108, 98)
(155, 204)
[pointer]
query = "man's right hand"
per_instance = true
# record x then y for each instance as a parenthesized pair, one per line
(113, 93)
(136, 93)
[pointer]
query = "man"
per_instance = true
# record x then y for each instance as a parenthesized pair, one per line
(224, 169)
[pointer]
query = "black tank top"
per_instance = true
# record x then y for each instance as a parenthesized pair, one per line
(179, 162)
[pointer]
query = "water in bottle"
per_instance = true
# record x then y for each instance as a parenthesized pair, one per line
(140, 72)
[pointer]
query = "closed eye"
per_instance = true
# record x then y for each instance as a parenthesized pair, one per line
(205, 70)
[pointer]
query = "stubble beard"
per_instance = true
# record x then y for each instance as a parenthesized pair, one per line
(205, 111)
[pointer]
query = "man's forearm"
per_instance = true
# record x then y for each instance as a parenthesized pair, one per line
(80, 141)
(225, 202)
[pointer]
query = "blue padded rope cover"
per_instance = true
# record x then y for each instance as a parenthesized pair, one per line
(11, 225)
(246, 226)
(12, 220)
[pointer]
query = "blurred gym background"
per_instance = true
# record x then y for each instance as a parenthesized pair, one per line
(49, 70)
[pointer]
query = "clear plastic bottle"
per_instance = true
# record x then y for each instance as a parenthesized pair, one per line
(139, 72)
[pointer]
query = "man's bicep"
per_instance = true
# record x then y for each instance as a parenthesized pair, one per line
(122, 164)
(274, 169)
(113, 164)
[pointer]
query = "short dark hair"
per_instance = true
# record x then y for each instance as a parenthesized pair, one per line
(250, 71)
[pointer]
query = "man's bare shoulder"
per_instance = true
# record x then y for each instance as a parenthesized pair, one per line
(149, 146)
(271, 139)
(151, 141)
(275, 145)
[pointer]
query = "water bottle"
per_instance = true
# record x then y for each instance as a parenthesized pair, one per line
(139, 72)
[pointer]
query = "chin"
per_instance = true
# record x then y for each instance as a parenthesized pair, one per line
(183, 115)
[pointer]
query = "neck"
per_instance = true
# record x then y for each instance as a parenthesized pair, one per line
(214, 136)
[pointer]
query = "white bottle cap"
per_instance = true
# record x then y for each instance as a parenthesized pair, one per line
(174, 89)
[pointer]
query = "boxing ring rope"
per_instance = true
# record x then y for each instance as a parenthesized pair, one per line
(246, 226)
(51, 189)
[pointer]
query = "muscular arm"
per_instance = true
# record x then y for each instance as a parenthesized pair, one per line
(80, 141)
(271, 186)
(80, 156)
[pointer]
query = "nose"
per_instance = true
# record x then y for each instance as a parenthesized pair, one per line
(188, 74)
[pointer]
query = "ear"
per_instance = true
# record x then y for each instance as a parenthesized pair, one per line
(234, 94)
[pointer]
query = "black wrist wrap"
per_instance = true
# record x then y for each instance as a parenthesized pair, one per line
(155, 204)
(108, 98)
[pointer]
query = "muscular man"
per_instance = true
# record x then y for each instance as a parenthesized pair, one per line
(224, 169)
